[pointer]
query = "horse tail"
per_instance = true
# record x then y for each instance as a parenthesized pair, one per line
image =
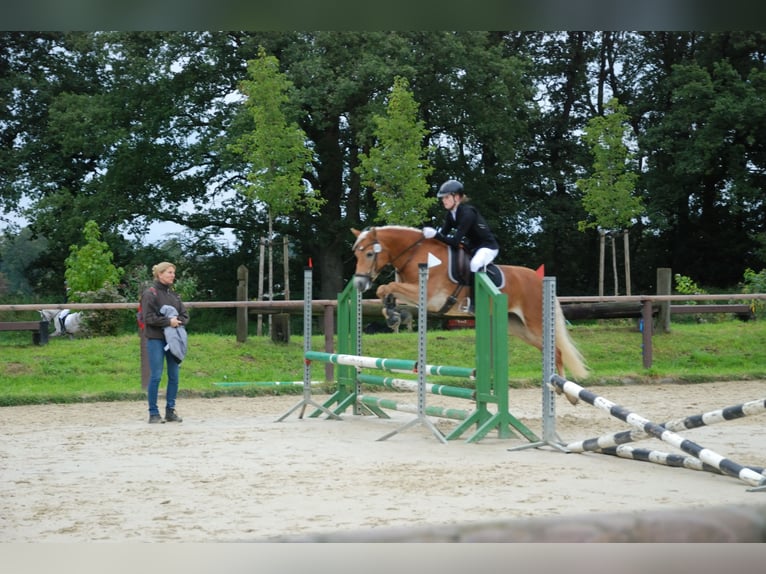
(570, 355)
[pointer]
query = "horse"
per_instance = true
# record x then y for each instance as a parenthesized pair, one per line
(63, 320)
(405, 248)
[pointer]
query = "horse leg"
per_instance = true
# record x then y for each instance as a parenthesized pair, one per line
(404, 291)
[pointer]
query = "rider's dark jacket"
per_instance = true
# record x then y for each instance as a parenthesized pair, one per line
(466, 227)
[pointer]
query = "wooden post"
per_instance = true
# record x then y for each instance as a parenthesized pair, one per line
(259, 323)
(286, 266)
(280, 328)
(242, 312)
(664, 281)
(646, 335)
(626, 255)
(601, 239)
(614, 265)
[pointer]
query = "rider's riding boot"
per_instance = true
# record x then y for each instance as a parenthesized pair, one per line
(470, 302)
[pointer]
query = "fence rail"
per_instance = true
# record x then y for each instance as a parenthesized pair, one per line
(374, 305)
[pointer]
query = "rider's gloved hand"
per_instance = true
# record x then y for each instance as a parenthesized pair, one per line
(429, 232)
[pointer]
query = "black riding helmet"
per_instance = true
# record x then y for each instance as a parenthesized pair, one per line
(449, 187)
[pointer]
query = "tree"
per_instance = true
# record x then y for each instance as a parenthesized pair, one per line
(275, 150)
(397, 167)
(608, 194)
(89, 267)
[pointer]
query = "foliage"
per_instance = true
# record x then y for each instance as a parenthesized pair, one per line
(17, 252)
(89, 267)
(686, 286)
(102, 322)
(132, 128)
(755, 283)
(397, 167)
(608, 194)
(275, 150)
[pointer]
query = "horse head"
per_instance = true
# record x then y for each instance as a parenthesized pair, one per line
(377, 247)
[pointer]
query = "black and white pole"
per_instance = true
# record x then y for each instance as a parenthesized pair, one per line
(706, 456)
(729, 413)
(421, 417)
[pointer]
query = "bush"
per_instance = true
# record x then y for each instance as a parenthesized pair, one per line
(101, 322)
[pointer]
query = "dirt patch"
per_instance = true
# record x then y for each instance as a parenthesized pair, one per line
(230, 471)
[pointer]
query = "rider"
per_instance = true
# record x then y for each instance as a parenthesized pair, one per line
(463, 224)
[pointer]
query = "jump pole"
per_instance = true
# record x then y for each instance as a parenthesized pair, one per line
(706, 456)
(668, 459)
(307, 398)
(729, 413)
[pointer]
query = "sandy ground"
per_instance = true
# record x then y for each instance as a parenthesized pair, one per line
(231, 472)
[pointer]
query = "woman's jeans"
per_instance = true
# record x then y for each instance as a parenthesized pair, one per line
(158, 357)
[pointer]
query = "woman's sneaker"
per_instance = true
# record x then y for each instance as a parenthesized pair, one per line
(155, 419)
(172, 417)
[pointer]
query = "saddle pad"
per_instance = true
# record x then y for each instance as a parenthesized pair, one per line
(458, 266)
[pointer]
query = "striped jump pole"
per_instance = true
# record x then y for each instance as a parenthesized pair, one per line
(668, 459)
(378, 403)
(392, 365)
(691, 422)
(707, 456)
(410, 385)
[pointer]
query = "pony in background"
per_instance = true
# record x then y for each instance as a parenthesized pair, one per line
(63, 320)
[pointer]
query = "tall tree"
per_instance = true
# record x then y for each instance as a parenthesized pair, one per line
(397, 167)
(608, 194)
(275, 150)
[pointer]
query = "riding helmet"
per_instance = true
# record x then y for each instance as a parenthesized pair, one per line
(449, 187)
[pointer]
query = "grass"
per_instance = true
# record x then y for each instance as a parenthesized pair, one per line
(109, 368)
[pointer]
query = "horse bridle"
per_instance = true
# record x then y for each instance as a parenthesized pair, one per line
(377, 248)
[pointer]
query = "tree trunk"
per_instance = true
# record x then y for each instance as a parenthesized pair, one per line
(271, 264)
(601, 265)
(614, 265)
(261, 260)
(286, 266)
(626, 247)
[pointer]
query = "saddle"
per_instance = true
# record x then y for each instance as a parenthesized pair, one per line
(459, 272)
(459, 268)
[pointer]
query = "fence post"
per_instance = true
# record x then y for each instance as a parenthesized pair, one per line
(242, 312)
(664, 282)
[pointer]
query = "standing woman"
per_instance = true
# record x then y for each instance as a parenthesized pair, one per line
(156, 320)
(464, 225)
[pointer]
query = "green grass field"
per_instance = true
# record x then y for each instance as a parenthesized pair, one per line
(109, 368)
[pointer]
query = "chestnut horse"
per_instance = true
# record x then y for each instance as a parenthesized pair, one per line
(404, 248)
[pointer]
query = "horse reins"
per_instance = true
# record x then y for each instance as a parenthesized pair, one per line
(377, 248)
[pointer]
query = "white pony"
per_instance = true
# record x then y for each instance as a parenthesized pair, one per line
(63, 320)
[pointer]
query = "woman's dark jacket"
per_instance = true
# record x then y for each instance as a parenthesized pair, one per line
(152, 300)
